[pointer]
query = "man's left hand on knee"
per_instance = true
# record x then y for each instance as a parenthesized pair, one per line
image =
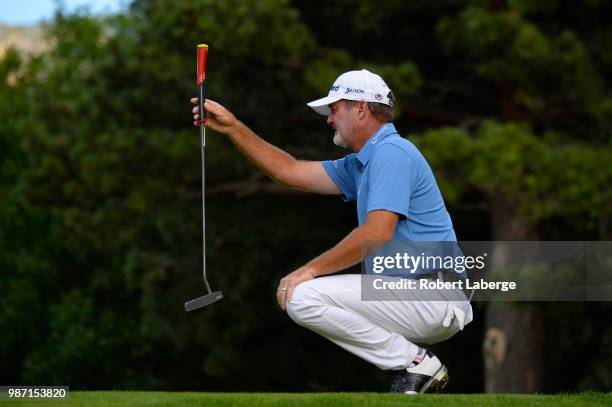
(289, 282)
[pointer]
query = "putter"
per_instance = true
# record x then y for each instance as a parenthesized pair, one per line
(217, 295)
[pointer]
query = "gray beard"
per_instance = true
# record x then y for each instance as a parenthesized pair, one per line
(339, 141)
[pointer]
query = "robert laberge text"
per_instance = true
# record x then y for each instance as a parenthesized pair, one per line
(412, 284)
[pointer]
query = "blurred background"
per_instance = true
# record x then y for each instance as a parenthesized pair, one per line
(100, 238)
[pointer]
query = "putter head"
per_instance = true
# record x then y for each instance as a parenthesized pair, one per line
(203, 301)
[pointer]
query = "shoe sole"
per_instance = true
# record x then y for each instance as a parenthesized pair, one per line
(437, 381)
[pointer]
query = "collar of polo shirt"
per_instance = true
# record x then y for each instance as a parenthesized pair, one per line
(364, 155)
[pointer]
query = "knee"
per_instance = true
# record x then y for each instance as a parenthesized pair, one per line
(305, 304)
(295, 312)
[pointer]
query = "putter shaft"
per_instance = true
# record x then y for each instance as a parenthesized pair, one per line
(218, 295)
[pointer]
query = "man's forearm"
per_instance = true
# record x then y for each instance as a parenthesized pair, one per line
(378, 228)
(347, 253)
(273, 161)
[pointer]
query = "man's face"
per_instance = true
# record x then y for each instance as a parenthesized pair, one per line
(341, 120)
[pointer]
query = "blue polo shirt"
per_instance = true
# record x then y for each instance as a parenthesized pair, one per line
(390, 173)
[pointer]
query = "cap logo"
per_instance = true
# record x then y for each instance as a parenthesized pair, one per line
(353, 90)
(378, 96)
(334, 88)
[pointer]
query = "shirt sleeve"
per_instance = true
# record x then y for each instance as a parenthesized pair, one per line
(392, 179)
(341, 172)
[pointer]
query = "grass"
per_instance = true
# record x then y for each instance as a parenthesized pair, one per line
(167, 399)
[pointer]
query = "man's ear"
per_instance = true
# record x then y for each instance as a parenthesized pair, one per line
(362, 109)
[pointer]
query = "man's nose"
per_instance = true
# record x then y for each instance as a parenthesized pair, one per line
(330, 121)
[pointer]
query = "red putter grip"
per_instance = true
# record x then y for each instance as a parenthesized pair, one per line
(201, 78)
(202, 54)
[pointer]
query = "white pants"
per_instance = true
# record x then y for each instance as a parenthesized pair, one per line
(380, 332)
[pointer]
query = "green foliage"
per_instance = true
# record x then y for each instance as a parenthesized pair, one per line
(543, 70)
(322, 72)
(510, 158)
(533, 7)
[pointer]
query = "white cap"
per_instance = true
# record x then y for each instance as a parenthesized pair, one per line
(354, 85)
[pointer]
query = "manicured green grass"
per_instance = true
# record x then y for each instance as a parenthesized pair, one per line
(165, 399)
